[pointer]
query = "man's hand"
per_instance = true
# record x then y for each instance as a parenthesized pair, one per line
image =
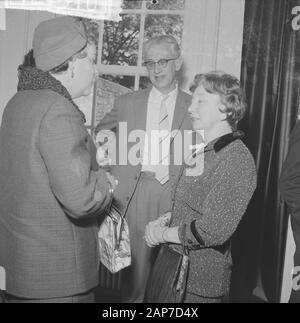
(102, 158)
(114, 183)
(105, 142)
(165, 219)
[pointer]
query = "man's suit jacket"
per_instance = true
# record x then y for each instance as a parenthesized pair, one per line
(49, 198)
(290, 176)
(290, 191)
(132, 108)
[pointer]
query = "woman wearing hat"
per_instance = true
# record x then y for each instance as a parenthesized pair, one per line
(50, 198)
(212, 195)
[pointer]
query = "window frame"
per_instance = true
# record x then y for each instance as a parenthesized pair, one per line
(137, 71)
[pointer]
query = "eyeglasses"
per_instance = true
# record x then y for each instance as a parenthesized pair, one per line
(161, 63)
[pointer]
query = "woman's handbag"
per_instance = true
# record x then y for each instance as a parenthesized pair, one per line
(168, 278)
(114, 241)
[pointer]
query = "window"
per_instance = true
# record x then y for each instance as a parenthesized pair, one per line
(210, 34)
(121, 43)
(120, 47)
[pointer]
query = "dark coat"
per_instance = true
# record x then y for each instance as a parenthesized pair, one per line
(290, 190)
(49, 198)
(208, 209)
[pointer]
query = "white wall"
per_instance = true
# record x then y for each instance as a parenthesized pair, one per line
(2, 18)
(15, 42)
(213, 37)
(10, 55)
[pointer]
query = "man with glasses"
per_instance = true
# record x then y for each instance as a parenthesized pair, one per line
(144, 191)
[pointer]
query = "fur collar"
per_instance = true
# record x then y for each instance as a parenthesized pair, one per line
(220, 143)
(31, 78)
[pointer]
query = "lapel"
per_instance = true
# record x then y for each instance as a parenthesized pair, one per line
(180, 112)
(140, 117)
(140, 110)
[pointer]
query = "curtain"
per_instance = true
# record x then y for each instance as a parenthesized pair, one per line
(270, 76)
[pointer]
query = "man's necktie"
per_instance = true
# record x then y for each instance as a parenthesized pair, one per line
(162, 169)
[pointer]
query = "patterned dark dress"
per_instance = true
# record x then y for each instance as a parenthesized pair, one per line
(208, 209)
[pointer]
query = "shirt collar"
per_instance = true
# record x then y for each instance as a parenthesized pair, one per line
(156, 94)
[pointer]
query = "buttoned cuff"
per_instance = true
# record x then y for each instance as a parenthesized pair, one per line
(189, 236)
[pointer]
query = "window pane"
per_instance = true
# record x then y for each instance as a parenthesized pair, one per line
(121, 41)
(156, 25)
(132, 4)
(166, 4)
(124, 80)
(144, 83)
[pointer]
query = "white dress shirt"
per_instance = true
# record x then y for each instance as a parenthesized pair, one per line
(152, 123)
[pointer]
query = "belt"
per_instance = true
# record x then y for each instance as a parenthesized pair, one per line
(221, 248)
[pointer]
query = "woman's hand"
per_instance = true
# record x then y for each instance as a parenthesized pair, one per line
(157, 234)
(155, 229)
(154, 234)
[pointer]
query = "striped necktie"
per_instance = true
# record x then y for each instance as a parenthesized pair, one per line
(162, 169)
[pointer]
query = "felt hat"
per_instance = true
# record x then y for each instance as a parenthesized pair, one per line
(56, 40)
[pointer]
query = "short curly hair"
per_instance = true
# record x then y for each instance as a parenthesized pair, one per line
(230, 91)
(162, 39)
